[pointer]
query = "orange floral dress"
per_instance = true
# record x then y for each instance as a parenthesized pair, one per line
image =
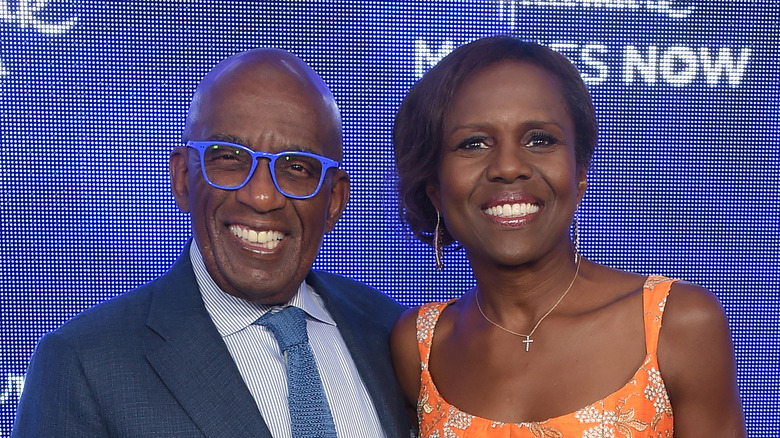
(639, 409)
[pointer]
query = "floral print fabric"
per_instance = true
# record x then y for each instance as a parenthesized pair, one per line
(640, 409)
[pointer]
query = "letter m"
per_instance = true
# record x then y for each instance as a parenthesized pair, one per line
(425, 58)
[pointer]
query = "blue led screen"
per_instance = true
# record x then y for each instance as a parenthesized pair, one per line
(685, 181)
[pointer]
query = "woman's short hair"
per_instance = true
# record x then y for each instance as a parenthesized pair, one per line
(418, 129)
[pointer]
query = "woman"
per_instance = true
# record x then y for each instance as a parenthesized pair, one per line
(493, 147)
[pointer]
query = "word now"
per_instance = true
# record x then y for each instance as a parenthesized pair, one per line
(677, 66)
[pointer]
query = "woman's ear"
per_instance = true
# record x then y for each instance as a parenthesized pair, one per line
(178, 167)
(582, 186)
(432, 190)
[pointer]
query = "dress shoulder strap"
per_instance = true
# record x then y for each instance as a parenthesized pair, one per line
(427, 316)
(654, 295)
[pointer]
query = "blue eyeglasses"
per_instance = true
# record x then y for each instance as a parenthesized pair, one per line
(230, 166)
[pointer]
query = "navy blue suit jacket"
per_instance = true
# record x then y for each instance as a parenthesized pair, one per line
(150, 363)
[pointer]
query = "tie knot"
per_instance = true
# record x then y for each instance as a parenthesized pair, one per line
(288, 326)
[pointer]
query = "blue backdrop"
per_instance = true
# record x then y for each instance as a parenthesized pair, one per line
(685, 182)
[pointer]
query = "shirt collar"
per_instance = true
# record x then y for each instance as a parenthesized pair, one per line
(232, 314)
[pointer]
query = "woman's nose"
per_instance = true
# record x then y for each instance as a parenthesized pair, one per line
(508, 163)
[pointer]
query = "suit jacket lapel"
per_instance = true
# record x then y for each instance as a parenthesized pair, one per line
(368, 344)
(194, 362)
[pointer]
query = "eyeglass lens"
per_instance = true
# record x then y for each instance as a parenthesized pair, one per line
(230, 167)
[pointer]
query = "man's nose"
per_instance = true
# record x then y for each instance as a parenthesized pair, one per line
(260, 192)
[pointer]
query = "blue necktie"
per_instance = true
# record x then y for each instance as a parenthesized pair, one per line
(309, 411)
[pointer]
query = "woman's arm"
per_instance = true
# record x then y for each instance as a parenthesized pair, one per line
(406, 358)
(696, 357)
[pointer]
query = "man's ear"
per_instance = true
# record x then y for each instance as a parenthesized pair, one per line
(583, 184)
(180, 174)
(339, 196)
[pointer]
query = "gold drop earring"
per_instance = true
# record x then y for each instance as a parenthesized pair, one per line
(437, 238)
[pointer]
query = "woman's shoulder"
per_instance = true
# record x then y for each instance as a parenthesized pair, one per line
(619, 283)
(694, 331)
(608, 286)
(406, 352)
(692, 310)
(407, 321)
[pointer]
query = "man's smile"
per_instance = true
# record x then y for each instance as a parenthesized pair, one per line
(267, 238)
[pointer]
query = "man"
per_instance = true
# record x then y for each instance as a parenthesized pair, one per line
(186, 355)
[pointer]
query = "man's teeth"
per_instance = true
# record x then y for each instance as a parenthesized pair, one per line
(268, 238)
(511, 210)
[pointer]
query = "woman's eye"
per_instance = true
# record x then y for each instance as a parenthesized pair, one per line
(541, 139)
(472, 143)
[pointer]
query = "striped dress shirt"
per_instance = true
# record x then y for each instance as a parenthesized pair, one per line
(262, 366)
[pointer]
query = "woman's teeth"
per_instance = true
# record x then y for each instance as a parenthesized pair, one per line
(511, 210)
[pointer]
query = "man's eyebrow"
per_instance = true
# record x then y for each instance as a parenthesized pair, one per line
(230, 138)
(301, 148)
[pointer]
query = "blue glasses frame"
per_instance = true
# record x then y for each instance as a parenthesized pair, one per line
(201, 147)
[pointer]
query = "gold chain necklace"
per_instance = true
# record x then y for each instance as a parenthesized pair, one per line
(528, 339)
